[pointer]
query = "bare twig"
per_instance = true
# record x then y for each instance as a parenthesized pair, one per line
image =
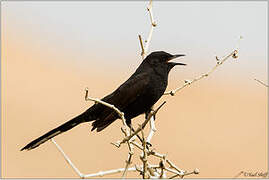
(144, 156)
(101, 173)
(153, 24)
(174, 171)
(261, 82)
(172, 165)
(113, 171)
(142, 46)
(127, 138)
(174, 176)
(126, 130)
(143, 55)
(149, 152)
(67, 159)
(195, 171)
(128, 163)
(147, 42)
(156, 154)
(233, 54)
(121, 114)
(130, 155)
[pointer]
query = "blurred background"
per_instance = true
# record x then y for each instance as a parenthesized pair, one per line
(51, 51)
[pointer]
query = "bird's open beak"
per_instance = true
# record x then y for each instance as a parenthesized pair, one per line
(174, 57)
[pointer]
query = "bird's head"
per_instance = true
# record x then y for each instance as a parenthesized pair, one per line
(161, 59)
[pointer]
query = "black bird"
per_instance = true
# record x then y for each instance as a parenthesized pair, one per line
(134, 97)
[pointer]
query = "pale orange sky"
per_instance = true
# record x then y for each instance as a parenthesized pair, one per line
(218, 125)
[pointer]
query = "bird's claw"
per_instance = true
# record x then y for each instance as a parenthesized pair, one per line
(148, 145)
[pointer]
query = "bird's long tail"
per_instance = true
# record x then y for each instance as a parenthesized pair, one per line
(64, 127)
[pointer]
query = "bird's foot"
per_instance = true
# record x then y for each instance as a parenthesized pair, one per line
(148, 145)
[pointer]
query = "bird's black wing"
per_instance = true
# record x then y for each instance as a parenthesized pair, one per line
(121, 98)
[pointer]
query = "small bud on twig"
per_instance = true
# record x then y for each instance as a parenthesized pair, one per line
(235, 54)
(196, 171)
(186, 81)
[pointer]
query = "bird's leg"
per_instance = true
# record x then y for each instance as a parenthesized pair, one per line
(146, 117)
(129, 124)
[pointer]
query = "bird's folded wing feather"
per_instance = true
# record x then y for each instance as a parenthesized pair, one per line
(128, 91)
(121, 98)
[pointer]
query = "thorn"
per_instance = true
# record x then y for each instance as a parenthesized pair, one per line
(86, 93)
(117, 144)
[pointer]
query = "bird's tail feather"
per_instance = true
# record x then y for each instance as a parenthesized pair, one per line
(64, 127)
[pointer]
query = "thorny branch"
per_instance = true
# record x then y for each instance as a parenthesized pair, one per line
(146, 170)
(147, 42)
(233, 54)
